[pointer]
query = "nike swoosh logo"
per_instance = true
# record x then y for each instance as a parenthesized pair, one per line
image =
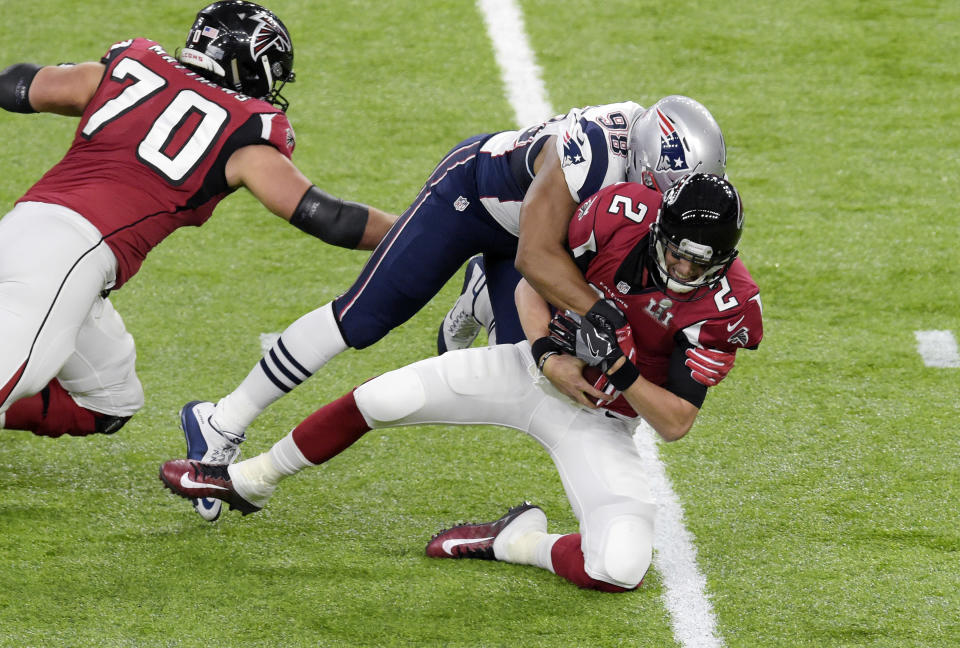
(730, 327)
(448, 545)
(186, 482)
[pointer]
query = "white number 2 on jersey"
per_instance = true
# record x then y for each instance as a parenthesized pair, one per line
(625, 205)
(151, 148)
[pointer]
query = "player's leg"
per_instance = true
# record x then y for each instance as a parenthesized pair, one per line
(53, 266)
(491, 385)
(605, 484)
(96, 390)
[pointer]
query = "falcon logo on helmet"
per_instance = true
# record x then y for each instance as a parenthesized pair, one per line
(267, 35)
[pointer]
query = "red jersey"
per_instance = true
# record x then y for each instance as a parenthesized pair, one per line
(150, 152)
(609, 237)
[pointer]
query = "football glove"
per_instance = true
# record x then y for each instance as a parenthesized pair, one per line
(708, 366)
(601, 329)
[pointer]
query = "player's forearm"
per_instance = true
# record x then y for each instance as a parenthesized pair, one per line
(65, 89)
(533, 311)
(668, 414)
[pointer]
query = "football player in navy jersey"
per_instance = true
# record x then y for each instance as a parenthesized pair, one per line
(507, 195)
(160, 141)
(671, 282)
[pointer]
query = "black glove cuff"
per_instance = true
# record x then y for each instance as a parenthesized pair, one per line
(606, 312)
(542, 346)
(625, 376)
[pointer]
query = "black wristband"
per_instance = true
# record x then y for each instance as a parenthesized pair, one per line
(330, 219)
(544, 345)
(15, 87)
(625, 376)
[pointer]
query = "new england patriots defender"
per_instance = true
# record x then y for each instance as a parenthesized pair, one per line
(597, 145)
(489, 190)
(160, 142)
(678, 286)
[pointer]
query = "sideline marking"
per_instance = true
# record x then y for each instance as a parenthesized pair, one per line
(938, 349)
(691, 614)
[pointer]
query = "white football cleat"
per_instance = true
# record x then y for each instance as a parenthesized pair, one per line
(207, 444)
(472, 310)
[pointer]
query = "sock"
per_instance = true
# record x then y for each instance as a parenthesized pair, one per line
(330, 430)
(51, 412)
(530, 548)
(300, 351)
(567, 561)
(256, 478)
(322, 435)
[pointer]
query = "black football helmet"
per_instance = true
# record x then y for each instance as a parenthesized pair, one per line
(242, 46)
(701, 220)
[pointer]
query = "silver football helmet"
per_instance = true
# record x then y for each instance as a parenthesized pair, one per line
(672, 138)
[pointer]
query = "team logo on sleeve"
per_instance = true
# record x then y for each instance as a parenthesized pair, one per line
(573, 146)
(267, 35)
(672, 157)
(741, 337)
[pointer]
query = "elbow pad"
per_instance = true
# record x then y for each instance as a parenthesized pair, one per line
(330, 219)
(15, 87)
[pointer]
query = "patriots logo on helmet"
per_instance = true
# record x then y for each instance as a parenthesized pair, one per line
(672, 157)
(267, 35)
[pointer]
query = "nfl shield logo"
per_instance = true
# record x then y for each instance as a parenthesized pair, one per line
(461, 203)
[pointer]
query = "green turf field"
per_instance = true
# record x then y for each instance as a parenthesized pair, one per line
(821, 481)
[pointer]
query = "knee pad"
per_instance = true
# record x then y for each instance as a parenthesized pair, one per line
(619, 541)
(389, 398)
(628, 551)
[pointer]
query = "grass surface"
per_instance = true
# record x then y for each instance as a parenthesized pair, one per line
(820, 481)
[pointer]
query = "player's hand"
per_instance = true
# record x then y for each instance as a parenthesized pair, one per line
(708, 366)
(564, 328)
(565, 372)
(600, 331)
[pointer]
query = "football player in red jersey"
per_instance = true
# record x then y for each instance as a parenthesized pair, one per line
(667, 265)
(161, 140)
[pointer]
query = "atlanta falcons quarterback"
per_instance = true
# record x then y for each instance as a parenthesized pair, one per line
(671, 290)
(160, 142)
(508, 195)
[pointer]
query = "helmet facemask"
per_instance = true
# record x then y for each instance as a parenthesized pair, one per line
(700, 221)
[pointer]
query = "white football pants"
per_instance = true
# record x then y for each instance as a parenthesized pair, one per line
(53, 321)
(593, 452)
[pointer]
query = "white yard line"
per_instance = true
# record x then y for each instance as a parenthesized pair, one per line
(518, 67)
(691, 614)
(938, 349)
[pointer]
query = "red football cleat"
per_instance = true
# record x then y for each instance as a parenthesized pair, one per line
(192, 479)
(477, 540)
